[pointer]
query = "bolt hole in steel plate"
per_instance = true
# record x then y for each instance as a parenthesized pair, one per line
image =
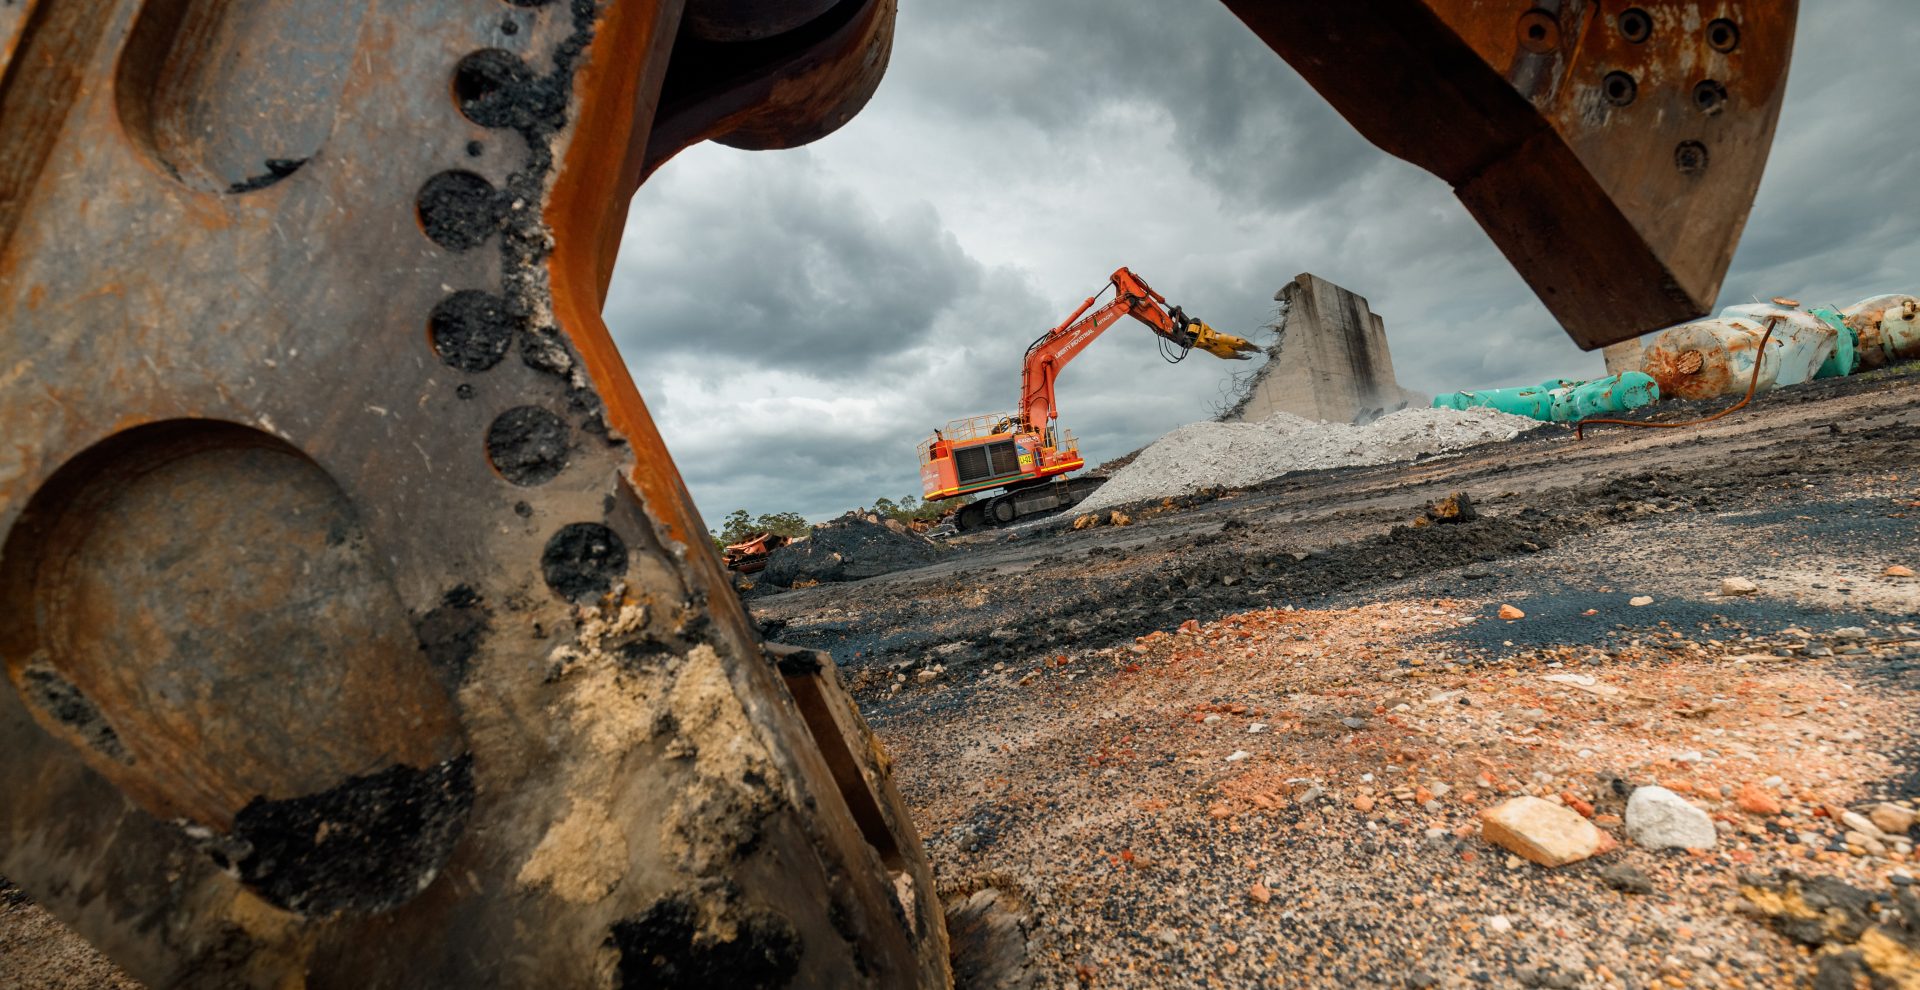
(1690, 157)
(458, 210)
(1636, 25)
(1723, 35)
(485, 86)
(1539, 32)
(1620, 88)
(1709, 96)
(195, 608)
(235, 95)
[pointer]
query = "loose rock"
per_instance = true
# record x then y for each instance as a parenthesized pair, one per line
(1891, 819)
(1540, 831)
(1626, 879)
(1756, 800)
(1730, 586)
(1509, 612)
(1859, 823)
(1455, 508)
(1657, 818)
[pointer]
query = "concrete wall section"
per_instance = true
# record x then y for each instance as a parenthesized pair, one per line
(1331, 363)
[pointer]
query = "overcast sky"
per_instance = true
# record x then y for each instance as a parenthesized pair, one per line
(798, 320)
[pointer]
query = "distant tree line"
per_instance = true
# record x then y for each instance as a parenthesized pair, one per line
(740, 525)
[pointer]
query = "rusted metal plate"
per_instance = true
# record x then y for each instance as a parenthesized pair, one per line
(357, 629)
(778, 93)
(1610, 148)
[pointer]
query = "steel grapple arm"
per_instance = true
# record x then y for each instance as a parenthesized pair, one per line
(1050, 353)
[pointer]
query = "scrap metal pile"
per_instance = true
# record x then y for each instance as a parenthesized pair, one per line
(1753, 346)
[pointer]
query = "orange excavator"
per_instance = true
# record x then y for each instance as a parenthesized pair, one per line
(1027, 453)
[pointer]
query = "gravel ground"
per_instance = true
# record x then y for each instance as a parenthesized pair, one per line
(1073, 714)
(39, 953)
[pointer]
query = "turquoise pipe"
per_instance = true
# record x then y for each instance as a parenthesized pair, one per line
(1560, 400)
(1843, 361)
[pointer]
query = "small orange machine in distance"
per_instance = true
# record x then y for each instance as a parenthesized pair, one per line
(1027, 454)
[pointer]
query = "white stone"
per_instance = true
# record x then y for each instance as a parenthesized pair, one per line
(1238, 755)
(1859, 822)
(1657, 818)
(1738, 586)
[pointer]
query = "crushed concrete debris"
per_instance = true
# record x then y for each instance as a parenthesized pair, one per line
(1237, 455)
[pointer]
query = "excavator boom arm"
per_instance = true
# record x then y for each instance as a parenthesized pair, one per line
(1132, 297)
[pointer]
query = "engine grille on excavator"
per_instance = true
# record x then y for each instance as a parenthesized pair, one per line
(989, 460)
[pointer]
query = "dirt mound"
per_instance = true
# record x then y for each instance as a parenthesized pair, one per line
(850, 548)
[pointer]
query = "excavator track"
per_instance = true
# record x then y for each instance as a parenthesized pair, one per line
(357, 628)
(1028, 502)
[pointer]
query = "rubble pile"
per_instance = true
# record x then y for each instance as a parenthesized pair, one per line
(1236, 455)
(851, 548)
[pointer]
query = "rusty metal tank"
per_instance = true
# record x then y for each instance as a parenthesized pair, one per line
(1717, 357)
(1887, 329)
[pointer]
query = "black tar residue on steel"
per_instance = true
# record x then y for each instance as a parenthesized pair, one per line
(497, 89)
(528, 445)
(583, 560)
(277, 169)
(459, 210)
(665, 949)
(471, 330)
(450, 634)
(59, 698)
(366, 845)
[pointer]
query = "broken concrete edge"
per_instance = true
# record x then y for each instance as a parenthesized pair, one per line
(1328, 360)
